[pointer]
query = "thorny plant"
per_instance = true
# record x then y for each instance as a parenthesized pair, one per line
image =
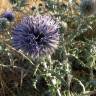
(70, 71)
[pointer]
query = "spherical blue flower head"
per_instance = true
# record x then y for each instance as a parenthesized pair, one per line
(87, 7)
(36, 36)
(9, 15)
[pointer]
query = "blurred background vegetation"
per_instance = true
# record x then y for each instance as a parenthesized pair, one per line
(70, 71)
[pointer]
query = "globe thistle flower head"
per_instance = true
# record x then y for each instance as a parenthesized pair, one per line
(9, 15)
(36, 36)
(87, 7)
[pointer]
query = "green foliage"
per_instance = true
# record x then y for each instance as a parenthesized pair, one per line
(70, 71)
